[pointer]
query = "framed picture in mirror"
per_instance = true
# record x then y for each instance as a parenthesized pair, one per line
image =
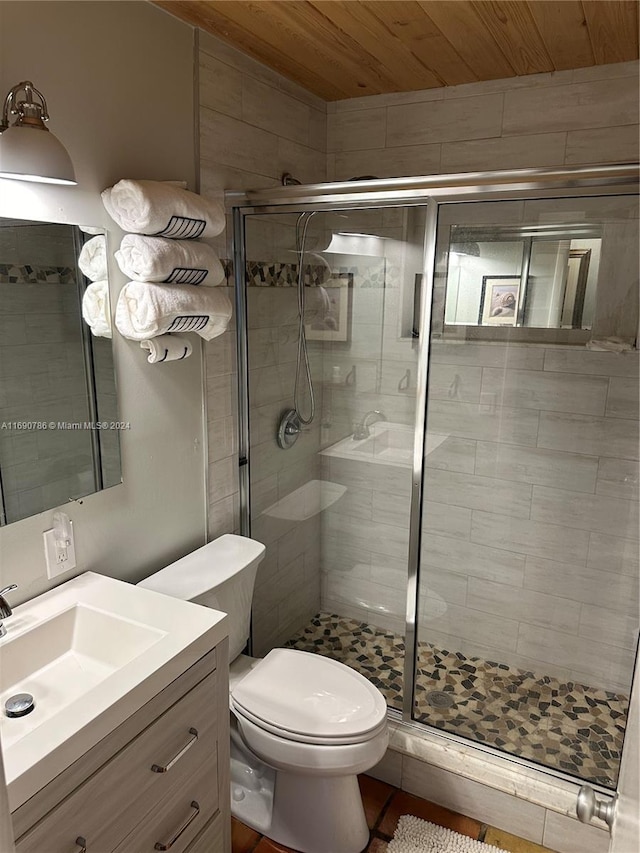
(499, 300)
(331, 310)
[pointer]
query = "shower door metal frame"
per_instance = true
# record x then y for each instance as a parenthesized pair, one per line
(429, 192)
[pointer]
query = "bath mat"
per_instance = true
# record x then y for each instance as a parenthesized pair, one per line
(414, 835)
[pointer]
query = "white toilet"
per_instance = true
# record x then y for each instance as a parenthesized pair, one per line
(302, 727)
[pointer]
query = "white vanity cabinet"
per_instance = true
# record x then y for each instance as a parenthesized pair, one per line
(159, 781)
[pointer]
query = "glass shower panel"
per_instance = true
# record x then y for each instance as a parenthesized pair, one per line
(528, 590)
(333, 509)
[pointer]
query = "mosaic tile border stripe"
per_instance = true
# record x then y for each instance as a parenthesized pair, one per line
(271, 274)
(30, 274)
(567, 726)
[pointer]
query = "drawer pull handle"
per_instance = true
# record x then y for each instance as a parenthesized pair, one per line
(185, 825)
(82, 844)
(163, 768)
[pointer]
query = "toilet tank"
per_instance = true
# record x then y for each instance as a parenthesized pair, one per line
(220, 575)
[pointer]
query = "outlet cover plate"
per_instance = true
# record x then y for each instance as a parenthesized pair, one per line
(55, 568)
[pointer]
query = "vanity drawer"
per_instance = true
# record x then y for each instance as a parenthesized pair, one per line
(180, 746)
(177, 821)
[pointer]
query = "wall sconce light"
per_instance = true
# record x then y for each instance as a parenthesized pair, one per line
(28, 150)
(345, 243)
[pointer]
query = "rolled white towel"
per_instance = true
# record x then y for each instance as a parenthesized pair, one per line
(146, 310)
(162, 210)
(95, 309)
(91, 229)
(167, 348)
(171, 261)
(92, 259)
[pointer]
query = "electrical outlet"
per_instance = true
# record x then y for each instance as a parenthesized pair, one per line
(58, 561)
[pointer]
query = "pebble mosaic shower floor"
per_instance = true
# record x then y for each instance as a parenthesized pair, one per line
(564, 725)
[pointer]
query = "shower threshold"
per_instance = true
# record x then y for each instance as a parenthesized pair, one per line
(567, 726)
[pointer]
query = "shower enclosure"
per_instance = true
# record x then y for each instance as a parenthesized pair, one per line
(459, 518)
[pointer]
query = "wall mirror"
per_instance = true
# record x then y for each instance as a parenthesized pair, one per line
(557, 270)
(536, 277)
(59, 429)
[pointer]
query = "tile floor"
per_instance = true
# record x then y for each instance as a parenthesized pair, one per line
(567, 726)
(383, 806)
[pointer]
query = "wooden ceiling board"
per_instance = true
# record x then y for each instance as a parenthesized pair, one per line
(359, 23)
(511, 24)
(369, 75)
(349, 48)
(408, 21)
(205, 16)
(299, 31)
(613, 28)
(461, 25)
(563, 28)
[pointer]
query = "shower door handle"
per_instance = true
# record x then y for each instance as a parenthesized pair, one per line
(589, 806)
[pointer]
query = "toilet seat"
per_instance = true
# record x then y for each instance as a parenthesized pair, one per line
(309, 698)
(245, 716)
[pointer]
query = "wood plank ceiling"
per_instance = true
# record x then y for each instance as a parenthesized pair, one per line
(348, 48)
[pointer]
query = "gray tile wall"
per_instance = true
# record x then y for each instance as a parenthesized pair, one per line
(530, 538)
(575, 117)
(255, 125)
(506, 472)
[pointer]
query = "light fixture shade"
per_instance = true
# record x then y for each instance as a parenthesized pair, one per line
(34, 154)
(343, 243)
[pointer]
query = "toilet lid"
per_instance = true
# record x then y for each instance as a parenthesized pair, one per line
(310, 695)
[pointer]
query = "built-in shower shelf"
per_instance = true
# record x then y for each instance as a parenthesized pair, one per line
(306, 501)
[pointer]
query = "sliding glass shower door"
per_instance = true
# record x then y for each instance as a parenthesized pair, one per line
(332, 504)
(527, 611)
(450, 498)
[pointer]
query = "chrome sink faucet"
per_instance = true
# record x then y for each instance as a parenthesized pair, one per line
(5, 607)
(362, 430)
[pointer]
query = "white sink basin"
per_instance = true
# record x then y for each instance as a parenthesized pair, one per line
(61, 659)
(91, 652)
